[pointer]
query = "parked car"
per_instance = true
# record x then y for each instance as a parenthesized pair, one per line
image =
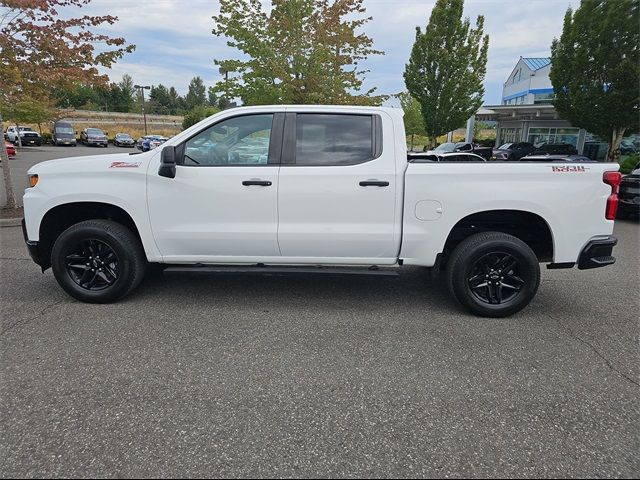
(62, 133)
(11, 149)
(123, 140)
(512, 151)
(466, 147)
(28, 136)
(444, 157)
(149, 142)
(629, 194)
(555, 149)
(487, 226)
(629, 146)
(94, 136)
(557, 158)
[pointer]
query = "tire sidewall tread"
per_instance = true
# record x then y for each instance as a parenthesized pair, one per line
(475, 246)
(132, 261)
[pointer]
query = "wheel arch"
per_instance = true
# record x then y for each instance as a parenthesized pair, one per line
(60, 217)
(529, 227)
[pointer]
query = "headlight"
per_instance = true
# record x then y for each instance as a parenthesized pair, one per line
(33, 180)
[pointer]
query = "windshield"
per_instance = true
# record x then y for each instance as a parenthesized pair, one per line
(94, 131)
(26, 129)
(64, 130)
(505, 146)
(445, 147)
(123, 135)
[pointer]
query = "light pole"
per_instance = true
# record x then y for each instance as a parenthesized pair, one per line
(144, 115)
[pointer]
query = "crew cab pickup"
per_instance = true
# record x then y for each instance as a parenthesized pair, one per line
(286, 187)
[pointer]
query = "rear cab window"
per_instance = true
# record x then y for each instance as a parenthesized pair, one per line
(326, 139)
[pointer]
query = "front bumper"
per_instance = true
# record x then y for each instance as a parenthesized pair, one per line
(34, 249)
(30, 141)
(597, 253)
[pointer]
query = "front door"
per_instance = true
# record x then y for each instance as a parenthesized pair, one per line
(337, 200)
(222, 204)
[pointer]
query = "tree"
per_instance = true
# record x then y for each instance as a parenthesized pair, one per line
(159, 100)
(595, 69)
(178, 104)
(197, 94)
(413, 121)
(302, 51)
(198, 113)
(43, 50)
(447, 67)
(126, 93)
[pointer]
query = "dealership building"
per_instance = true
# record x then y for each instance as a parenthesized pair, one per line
(526, 113)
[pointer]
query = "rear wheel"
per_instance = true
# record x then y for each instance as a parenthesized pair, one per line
(493, 274)
(98, 261)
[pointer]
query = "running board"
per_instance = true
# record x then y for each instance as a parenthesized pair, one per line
(268, 269)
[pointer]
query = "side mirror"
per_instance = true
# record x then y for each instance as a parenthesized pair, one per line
(168, 162)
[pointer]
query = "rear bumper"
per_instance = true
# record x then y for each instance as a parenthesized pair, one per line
(597, 253)
(34, 249)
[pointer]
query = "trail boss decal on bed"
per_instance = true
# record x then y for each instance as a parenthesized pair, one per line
(569, 168)
(125, 164)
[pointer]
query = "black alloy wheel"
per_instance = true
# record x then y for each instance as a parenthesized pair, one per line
(92, 265)
(494, 278)
(493, 274)
(98, 261)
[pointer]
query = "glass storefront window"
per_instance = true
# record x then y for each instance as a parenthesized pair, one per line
(540, 136)
(509, 135)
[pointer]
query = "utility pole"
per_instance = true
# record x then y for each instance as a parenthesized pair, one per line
(144, 115)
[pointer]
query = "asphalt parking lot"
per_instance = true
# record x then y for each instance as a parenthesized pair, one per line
(319, 376)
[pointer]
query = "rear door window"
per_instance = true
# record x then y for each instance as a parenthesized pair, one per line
(334, 139)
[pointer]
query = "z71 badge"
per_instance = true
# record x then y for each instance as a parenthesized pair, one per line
(125, 164)
(569, 168)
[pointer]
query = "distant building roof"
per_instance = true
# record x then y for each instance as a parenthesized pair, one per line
(537, 63)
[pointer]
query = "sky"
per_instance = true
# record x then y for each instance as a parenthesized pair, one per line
(174, 42)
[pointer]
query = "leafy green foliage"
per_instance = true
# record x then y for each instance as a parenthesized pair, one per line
(595, 69)
(413, 121)
(447, 67)
(303, 51)
(627, 164)
(197, 114)
(197, 94)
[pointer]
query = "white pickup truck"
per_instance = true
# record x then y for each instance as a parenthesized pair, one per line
(286, 187)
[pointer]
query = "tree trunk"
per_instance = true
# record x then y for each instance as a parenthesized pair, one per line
(613, 153)
(6, 173)
(412, 135)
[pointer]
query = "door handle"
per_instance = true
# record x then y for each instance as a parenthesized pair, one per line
(373, 183)
(261, 183)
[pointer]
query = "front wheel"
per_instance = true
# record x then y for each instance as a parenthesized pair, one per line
(493, 274)
(98, 261)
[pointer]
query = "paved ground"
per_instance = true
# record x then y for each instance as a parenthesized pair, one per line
(310, 376)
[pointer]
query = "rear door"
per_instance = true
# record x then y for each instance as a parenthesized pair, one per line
(337, 189)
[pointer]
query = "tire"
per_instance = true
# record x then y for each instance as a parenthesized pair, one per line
(493, 274)
(84, 242)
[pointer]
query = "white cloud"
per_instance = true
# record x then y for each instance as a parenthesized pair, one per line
(174, 40)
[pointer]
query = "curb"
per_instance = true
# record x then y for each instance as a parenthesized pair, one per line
(10, 222)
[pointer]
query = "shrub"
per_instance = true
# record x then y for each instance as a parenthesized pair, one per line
(46, 137)
(198, 113)
(628, 163)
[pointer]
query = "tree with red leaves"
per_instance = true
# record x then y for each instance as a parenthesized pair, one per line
(41, 49)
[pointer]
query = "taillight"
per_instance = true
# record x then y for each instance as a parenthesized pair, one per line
(613, 179)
